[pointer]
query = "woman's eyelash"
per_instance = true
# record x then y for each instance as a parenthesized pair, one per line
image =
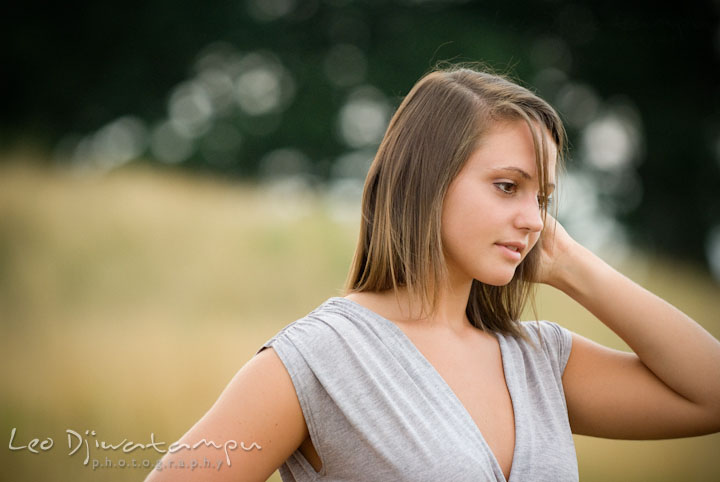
(545, 200)
(506, 187)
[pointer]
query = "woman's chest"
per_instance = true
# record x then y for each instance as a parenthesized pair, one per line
(472, 370)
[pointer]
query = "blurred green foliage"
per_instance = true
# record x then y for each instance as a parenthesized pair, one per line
(72, 67)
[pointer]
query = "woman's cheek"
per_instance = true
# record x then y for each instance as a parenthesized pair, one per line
(532, 242)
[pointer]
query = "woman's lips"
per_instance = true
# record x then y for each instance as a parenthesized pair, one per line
(511, 250)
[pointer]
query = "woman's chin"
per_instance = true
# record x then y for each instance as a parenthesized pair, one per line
(500, 280)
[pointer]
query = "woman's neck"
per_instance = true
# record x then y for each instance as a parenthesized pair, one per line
(400, 307)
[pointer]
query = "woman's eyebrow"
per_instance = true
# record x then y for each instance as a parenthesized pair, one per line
(522, 172)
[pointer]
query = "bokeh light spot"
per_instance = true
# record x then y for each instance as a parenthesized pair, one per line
(263, 86)
(613, 140)
(269, 10)
(364, 117)
(190, 109)
(168, 145)
(579, 103)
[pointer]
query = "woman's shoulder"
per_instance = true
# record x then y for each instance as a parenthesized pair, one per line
(543, 339)
(540, 329)
(334, 320)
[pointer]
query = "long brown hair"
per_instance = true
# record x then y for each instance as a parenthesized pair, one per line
(432, 134)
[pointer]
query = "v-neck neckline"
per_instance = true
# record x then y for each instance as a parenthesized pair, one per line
(405, 339)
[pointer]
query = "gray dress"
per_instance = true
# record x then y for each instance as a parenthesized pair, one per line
(377, 410)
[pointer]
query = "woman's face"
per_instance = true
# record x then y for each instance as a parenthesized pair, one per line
(491, 217)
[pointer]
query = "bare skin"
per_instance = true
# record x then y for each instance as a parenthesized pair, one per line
(669, 387)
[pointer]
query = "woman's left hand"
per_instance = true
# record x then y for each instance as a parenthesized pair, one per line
(670, 385)
(555, 247)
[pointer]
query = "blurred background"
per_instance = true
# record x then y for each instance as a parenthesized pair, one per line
(179, 180)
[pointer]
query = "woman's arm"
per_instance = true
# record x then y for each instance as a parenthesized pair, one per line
(669, 387)
(258, 406)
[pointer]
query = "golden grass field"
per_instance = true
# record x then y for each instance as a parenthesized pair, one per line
(129, 300)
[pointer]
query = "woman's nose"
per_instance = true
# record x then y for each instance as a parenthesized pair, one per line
(529, 217)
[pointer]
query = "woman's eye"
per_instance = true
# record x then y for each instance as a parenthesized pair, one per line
(506, 187)
(545, 200)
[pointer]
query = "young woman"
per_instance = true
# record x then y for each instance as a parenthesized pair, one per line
(422, 372)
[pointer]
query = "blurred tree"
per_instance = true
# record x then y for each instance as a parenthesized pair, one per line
(316, 78)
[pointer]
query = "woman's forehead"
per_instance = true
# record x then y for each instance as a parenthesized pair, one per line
(511, 145)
